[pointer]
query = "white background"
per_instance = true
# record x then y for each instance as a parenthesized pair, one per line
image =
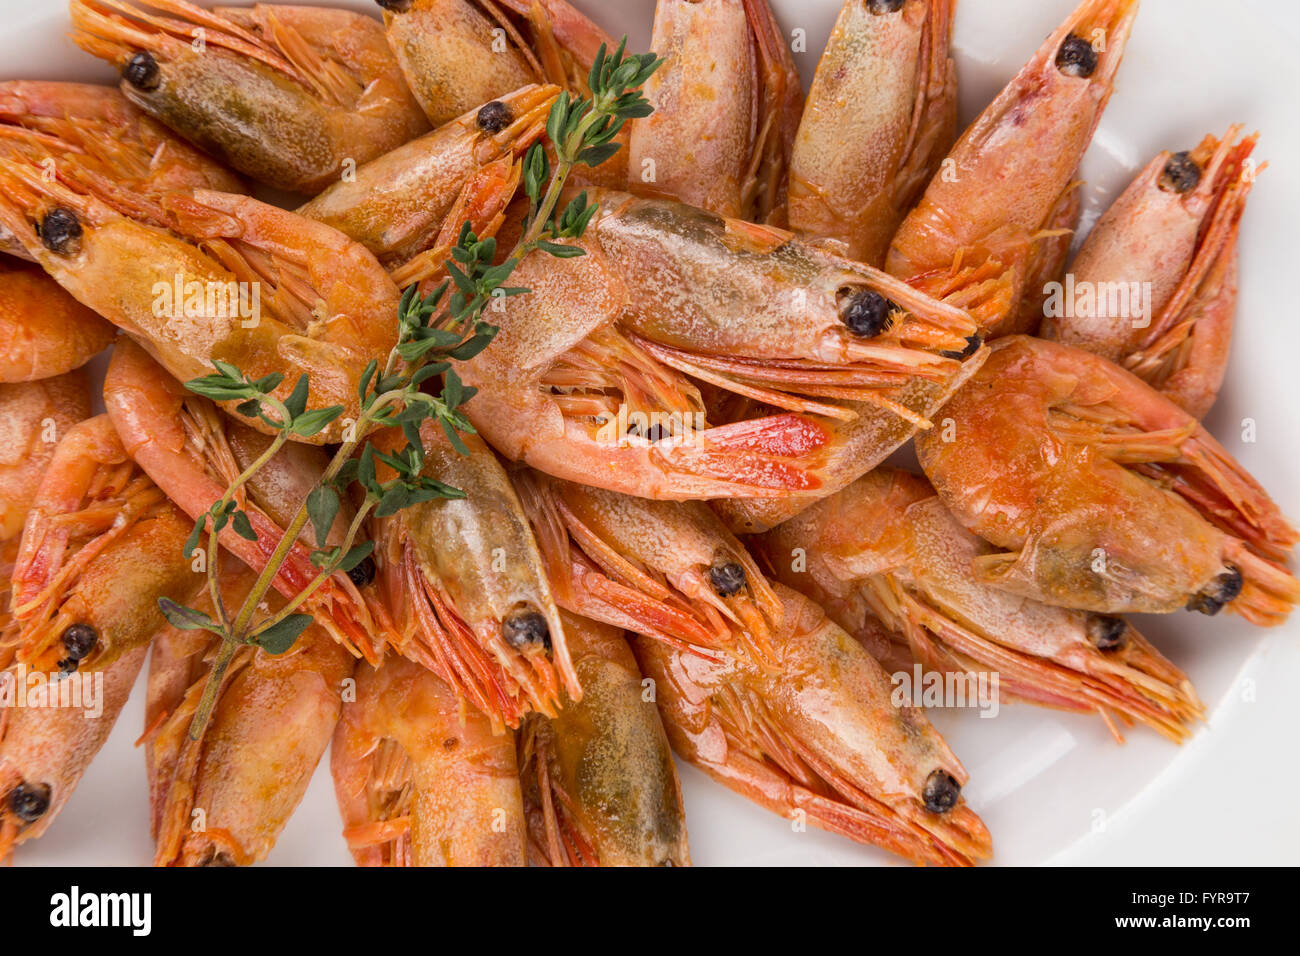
(1052, 787)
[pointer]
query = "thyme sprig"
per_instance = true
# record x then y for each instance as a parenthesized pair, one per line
(448, 324)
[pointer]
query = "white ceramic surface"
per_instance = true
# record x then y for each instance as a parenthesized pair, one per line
(1053, 788)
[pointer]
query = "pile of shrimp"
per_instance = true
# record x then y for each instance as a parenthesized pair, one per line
(683, 528)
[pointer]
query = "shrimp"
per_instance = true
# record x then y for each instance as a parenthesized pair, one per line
(599, 784)
(465, 583)
(881, 114)
(727, 101)
(43, 330)
(397, 204)
(1175, 230)
(1009, 172)
(726, 647)
(1047, 262)
(1107, 496)
(592, 370)
(92, 137)
(223, 799)
(858, 435)
(666, 569)
(111, 546)
(233, 279)
(459, 54)
(421, 781)
(818, 738)
(34, 416)
(286, 95)
(860, 444)
(91, 499)
(886, 548)
(194, 453)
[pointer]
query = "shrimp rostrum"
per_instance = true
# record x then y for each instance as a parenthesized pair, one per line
(1105, 495)
(593, 375)
(886, 549)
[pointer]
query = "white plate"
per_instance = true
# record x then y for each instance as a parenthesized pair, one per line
(1052, 787)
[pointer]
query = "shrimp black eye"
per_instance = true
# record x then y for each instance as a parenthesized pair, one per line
(885, 6)
(60, 231)
(655, 432)
(494, 117)
(78, 640)
(727, 577)
(973, 343)
(28, 802)
(1181, 174)
(142, 72)
(363, 573)
(1222, 590)
(866, 313)
(941, 792)
(526, 628)
(1076, 57)
(1107, 633)
(397, 6)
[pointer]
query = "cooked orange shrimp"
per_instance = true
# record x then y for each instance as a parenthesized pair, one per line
(194, 453)
(1047, 262)
(1010, 171)
(886, 548)
(459, 54)
(262, 288)
(421, 781)
(857, 435)
(464, 581)
(881, 114)
(666, 569)
(1173, 231)
(397, 204)
(726, 104)
(285, 94)
(599, 784)
(34, 417)
(1107, 496)
(91, 499)
(43, 330)
(93, 137)
(607, 343)
(857, 445)
(110, 545)
(818, 740)
(223, 799)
